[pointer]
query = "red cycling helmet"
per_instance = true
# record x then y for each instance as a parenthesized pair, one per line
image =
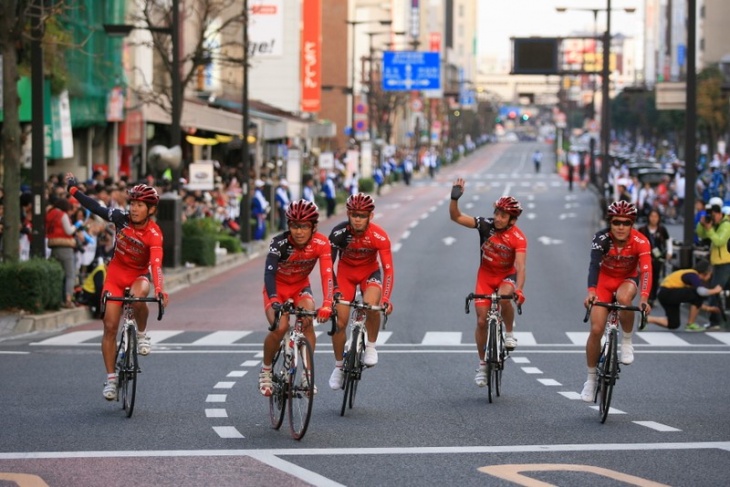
(302, 211)
(144, 193)
(622, 208)
(508, 205)
(360, 202)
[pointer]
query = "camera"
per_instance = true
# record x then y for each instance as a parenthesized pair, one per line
(707, 218)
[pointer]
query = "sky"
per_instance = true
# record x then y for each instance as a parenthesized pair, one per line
(501, 19)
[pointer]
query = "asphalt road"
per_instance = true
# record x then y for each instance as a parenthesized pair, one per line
(419, 419)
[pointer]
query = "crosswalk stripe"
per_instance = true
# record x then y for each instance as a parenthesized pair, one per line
(160, 335)
(221, 338)
(431, 338)
(383, 337)
(442, 338)
(578, 337)
(722, 337)
(665, 339)
(525, 338)
(72, 338)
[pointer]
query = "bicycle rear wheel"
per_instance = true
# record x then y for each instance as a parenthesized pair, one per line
(492, 360)
(128, 385)
(278, 397)
(301, 390)
(607, 375)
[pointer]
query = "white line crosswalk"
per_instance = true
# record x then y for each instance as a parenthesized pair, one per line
(431, 338)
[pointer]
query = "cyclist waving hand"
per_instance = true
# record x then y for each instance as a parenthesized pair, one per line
(137, 254)
(502, 265)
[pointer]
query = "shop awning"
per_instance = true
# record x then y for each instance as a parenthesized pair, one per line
(201, 117)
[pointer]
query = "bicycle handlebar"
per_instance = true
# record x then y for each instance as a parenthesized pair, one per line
(131, 299)
(289, 308)
(617, 307)
(356, 305)
(494, 296)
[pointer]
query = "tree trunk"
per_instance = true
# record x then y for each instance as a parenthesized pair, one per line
(11, 133)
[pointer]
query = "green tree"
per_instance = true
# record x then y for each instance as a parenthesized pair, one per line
(712, 105)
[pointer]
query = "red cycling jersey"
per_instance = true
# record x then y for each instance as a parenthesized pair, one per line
(359, 256)
(498, 248)
(618, 264)
(137, 250)
(288, 267)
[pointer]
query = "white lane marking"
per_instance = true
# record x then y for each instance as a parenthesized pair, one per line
(531, 370)
(224, 385)
(158, 336)
(570, 395)
(413, 224)
(237, 373)
(424, 216)
(227, 432)
(73, 338)
(383, 337)
(216, 413)
(610, 410)
(662, 339)
(308, 476)
(578, 337)
(14, 353)
(221, 338)
(405, 235)
(216, 398)
(396, 247)
(437, 450)
(656, 426)
(722, 337)
(250, 363)
(442, 338)
(525, 338)
(521, 360)
(549, 382)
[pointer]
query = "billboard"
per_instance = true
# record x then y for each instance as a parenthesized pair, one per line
(535, 55)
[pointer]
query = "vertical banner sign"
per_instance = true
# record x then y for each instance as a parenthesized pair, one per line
(415, 19)
(311, 62)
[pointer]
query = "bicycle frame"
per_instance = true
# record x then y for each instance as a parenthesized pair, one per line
(291, 381)
(495, 354)
(126, 363)
(608, 368)
(353, 364)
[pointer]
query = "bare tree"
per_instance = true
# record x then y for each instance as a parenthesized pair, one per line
(211, 27)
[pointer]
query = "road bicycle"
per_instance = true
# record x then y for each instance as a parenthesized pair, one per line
(127, 365)
(608, 368)
(496, 353)
(353, 365)
(292, 374)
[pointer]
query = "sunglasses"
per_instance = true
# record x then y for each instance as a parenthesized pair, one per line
(300, 226)
(360, 215)
(621, 223)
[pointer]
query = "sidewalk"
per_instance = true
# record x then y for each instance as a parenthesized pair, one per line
(175, 279)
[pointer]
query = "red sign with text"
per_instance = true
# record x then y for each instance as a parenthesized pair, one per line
(311, 62)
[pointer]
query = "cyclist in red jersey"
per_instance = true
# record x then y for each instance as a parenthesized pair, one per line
(621, 265)
(137, 254)
(359, 242)
(502, 265)
(291, 258)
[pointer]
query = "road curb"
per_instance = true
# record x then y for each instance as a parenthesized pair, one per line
(13, 324)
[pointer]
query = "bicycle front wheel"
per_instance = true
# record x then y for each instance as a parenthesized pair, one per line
(348, 369)
(501, 356)
(128, 381)
(607, 374)
(301, 389)
(492, 358)
(278, 397)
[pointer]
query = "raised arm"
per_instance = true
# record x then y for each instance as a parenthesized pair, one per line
(454, 212)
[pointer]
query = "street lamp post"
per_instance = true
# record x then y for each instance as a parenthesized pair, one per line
(371, 85)
(605, 85)
(245, 208)
(354, 24)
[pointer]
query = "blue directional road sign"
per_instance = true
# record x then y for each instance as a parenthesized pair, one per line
(411, 70)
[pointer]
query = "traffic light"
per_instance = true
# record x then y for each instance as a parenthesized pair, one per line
(525, 117)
